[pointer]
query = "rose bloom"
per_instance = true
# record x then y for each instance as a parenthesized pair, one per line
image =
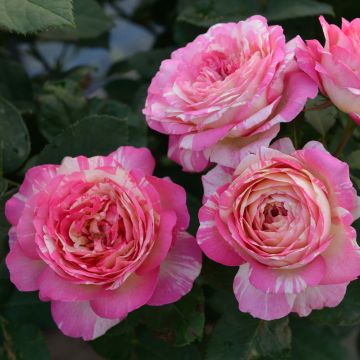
(284, 217)
(225, 93)
(100, 237)
(336, 66)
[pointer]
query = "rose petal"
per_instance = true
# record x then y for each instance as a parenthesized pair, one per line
(24, 271)
(77, 319)
(266, 306)
(133, 293)
(178, 271)
(54, 287)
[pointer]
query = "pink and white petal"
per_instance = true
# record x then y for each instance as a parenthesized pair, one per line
(162, 243)
(333, 172)
(135, 158)
(77, 319)
(209, 239)
(230, 152)
(191, 161)
(214, 179)
(178, 271)
(289, 281)
(135, 292)
(284, 145)
(54, 287)
(356, 210)
(299, 88)
(342, 257)
(24, 271)
(344, 98)
(172, 197)
(319, 297)
(262, 305)
(14, 208)
(204, 139)
(36, 179)
(315, 145)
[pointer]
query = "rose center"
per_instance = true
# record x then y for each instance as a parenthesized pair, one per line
(217, 66)
(273, 211)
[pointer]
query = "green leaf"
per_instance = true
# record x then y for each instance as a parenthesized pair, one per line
(273, 340)
(3, 186)
(209, 12)
(239, 336)
(284, 9)
(354, 160)
(14, 138)
(23, 341)
(124, 342)
(90, 21)
(15, 84)
(346, 313)
(137, 124)
(123, 90)
(180, 323)
(315, 342)
(62, 103)
(93, 135)
(148, 63)
(17, 309)
(320, 114)
(26, 16)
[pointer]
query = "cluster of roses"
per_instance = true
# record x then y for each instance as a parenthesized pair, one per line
(100, 237)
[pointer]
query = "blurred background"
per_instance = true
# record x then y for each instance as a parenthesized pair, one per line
(57, 83)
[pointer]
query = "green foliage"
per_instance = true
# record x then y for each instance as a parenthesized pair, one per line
(70, 109)
(90, 22)
(26, 16)
(315, 342)
(239, 336)
(80, 137)
(23, 341)
(14, 138)
(209, 12)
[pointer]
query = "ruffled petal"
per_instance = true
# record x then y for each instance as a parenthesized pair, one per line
(77, 319)
(132, 294)
(178, 271)
(24, 271)
(54, 287)
(266, 306)
(319, 297)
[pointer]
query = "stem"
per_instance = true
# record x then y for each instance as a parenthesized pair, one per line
(349, 128)
(38, 56)
(321, 106)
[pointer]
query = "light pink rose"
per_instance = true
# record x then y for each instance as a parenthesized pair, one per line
(100, 237)
(336, 66)
(284, 217)
(225, 93)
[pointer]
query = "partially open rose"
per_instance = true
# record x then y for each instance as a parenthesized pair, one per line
(336, 65)
(100, 237)
(283, 216)
(225, 93)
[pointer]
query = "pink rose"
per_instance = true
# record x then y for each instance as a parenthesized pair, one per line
(284, 217)
(225, 93)
(99, 238)
(336, 66)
